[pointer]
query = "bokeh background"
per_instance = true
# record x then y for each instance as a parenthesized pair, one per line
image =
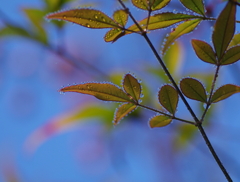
(47, 136)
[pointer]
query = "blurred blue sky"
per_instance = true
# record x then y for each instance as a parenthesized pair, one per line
(30, 77)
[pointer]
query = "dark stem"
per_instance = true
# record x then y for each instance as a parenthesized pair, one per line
(198, 123)
(211, 93)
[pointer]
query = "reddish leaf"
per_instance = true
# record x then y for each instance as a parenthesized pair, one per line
(193, 89)
(224, 92)
(159, 121)
(168, 97)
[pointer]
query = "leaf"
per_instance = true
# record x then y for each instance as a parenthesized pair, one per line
(89, 18)
(183, 28)
(195, 5)
(231, 56)
(224, 92)
(102, 91)
(150, 4)
(204, 51)
(122, 111)
(235, 40)
(160, 121)
(162, 20)
(114, 34)
(121, 17)
(168, 97)
(224, 29)
(132, 87)
(193, 89)
(10, 30)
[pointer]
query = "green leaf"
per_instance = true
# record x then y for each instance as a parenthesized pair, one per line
(231, 56)
(224, 92)
(168, 97)
(160, 121)
(102, 91)
(132, 87)
(89, 18)
(195, 5)
(121, 17)
(183, 28)
(204, 51)
(114, 34)
(193, 89)
(224, 29)
(150, 4)
(14, 30)
(235, 40)
(161, 20)
(122, 111)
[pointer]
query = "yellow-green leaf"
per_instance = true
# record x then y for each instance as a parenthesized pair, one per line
(159, 121)
(235, 40)
(122, 111)
(132, 87)
(162, 20)
(121, 17)
(158, 4)
(231, 56)
(168, 97)
(224, 29)
(89, 18)
(142, 4)
(195, 5)
(183, 28)
(102, 91)
(204, 51)
(224, 92)
(193, 89)
(113, 35)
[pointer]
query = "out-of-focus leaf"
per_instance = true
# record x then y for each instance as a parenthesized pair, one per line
(66, 121)
(122, 111)
(224, 92)
(150, 4)
(235, 40)
(89, 18)
(54, 5)
(168, 97)
(14, 30)
(102, 91)
(204, 51)
(132, 87)
(121, 17)
(159, 121)
(174, 58)
(193, 89)
(36, 17)
(162, 20)
(224, 29)
(183, 28)
(231, 56)
(114, 34)
(195, 5)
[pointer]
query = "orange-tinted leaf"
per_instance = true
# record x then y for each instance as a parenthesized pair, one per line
(224, 29)
(89, 18)
(159, 121)
(235, 40)
(204, 51)
(231, 56)
(122, 111)
(102, 91)
(195, 5)
(193, 89)
(224, 92)
(132, 87)
(113, 35)
(162, 20)
(168, 97)
(121, 17)
(183, 28)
